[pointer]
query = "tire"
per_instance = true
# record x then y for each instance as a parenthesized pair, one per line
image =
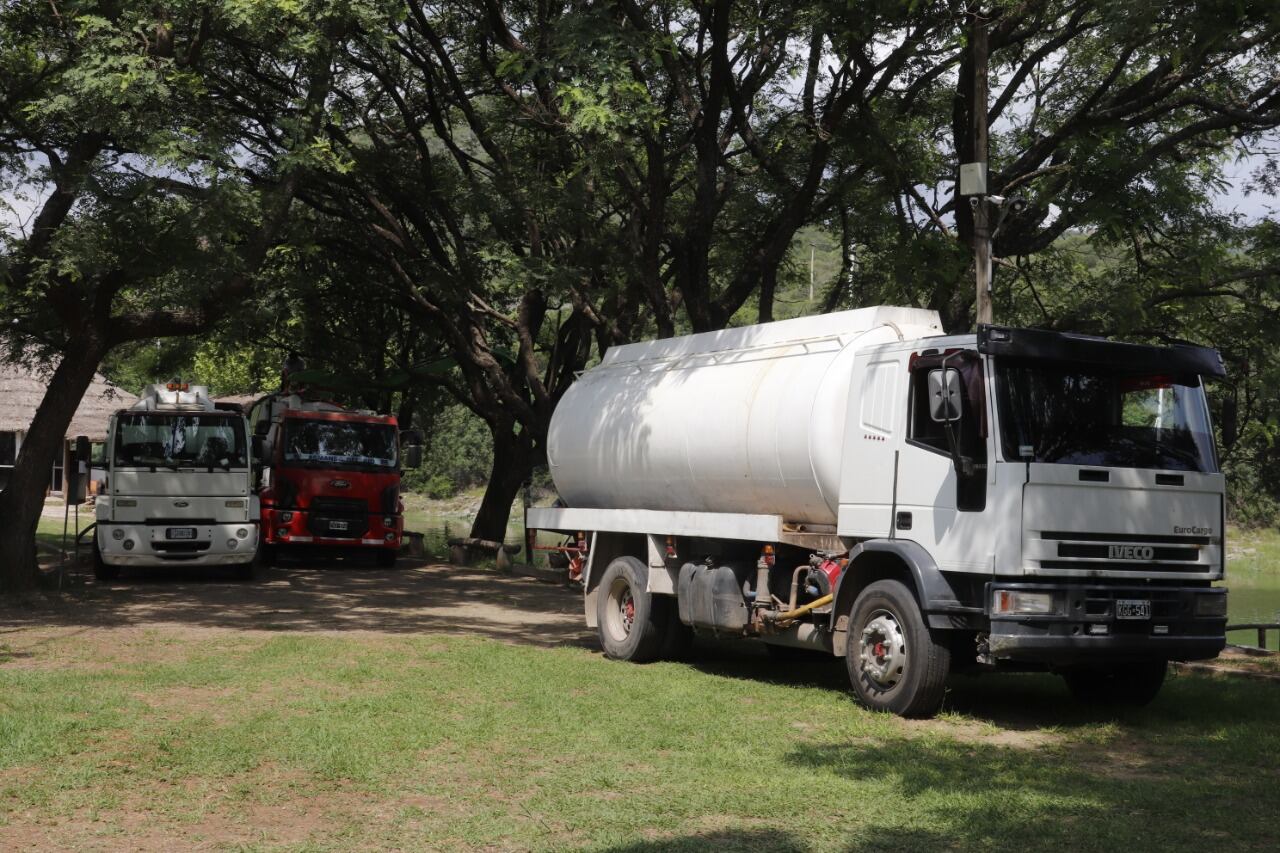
(267, 555)
(631, 622)
(387, 558)
(102, 572)
(895, 662)
(1133, 685)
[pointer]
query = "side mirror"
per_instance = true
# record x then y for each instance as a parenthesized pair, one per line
(261, 428)
(413, 456)
(944, 395)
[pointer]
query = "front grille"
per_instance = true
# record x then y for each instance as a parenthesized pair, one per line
(181, 522)
(1103, 552)
(329, 516)
(1144, 538)
(1141, 553)
(1111, 566)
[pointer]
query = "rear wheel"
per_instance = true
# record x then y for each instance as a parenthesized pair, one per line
(101, 571)
(895, 662)
(1133, 684)
(632, 622)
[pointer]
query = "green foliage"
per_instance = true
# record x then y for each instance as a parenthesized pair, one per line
(457, 452)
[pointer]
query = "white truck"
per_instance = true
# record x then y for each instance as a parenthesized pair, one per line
(861, 484)
(178, 489)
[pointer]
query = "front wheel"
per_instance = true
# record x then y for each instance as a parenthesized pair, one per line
(102, 572)
(631, 621)
(1133, 684)
(387, 558)
(895, 662)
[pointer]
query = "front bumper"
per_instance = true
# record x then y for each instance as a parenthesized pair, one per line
(300, 527)
(150, 544)
(1087, 630)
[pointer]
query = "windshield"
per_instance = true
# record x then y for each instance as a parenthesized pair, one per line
(150, 440)
(1090, 415)
(340, 443)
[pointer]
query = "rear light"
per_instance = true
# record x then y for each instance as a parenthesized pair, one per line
(286, 517)
(767, 556)
(1007, 602)
(1214, 604)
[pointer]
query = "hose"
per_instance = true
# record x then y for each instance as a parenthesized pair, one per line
(802, 610)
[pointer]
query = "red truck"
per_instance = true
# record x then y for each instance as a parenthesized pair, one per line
(331, 478)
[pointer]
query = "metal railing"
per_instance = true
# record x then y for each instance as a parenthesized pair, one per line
(1261, 627)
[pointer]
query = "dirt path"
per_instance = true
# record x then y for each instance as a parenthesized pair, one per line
(415, 597)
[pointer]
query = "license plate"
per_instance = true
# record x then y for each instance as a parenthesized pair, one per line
(337, 525)
(181, 533)
(1133, 608)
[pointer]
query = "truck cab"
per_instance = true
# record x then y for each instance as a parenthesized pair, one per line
(178, 485)
(1065, 488)
(332, 479)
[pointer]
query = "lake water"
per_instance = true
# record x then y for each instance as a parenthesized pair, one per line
(1254, 591)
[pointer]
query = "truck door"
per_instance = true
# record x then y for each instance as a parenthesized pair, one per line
(943, 469)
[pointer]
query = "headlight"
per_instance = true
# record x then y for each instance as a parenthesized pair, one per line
(390, 537)
(1211, 605)
(286, 517)
(128, 544)
(117, 534)
(1010, 601)
(231, 543)
(241, 533)
(388, 521)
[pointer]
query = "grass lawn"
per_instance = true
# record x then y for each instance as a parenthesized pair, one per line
(163, 737)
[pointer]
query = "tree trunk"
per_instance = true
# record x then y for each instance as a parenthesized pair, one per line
(512, 465)
(23, 499)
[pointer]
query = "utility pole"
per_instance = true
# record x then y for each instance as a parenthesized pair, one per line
(978, 131)
(811, 251)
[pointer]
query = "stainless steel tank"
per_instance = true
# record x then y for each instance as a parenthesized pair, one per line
(743, 420)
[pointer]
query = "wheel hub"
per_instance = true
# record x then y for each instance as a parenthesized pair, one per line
(883, 657)
(627, 610)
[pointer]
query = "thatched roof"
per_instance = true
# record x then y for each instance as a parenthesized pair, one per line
(22, 389)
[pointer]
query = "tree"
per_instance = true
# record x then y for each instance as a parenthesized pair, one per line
(155, 207)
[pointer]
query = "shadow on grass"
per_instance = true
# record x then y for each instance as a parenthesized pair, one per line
(723, 841)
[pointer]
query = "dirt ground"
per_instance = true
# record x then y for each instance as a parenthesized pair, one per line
(417, 596)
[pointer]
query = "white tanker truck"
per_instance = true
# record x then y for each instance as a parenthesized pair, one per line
(859, 483)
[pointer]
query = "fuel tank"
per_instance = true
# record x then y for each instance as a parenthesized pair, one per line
(748, 420)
